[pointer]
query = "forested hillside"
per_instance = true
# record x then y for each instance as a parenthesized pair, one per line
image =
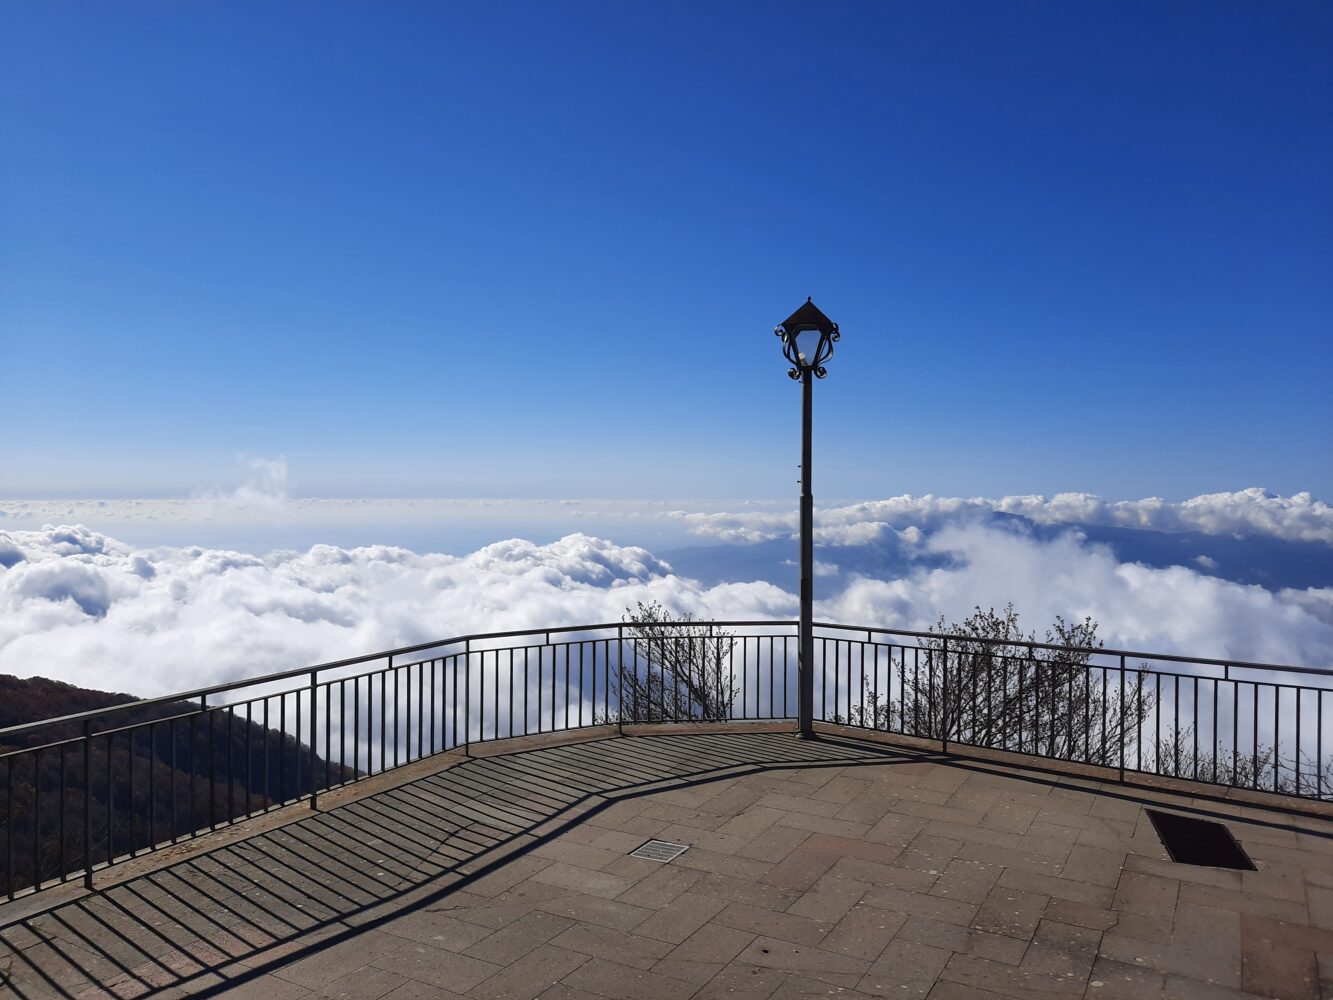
(154, 773)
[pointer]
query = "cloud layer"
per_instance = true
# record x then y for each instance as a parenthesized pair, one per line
(81, 606)
(1249, 512)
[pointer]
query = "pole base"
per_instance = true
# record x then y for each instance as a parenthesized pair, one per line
(802, 734)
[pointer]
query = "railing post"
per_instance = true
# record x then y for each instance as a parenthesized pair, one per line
(314, 740)
(87, 803)
(944, 710)
(467, 696)
(1137, 722)
(620, 680)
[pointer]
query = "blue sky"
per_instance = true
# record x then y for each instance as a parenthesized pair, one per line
(538, 249)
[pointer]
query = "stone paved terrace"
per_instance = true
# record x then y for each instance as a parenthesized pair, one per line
(837, 868)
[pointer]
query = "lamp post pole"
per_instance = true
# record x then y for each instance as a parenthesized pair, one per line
(807, 337)
(807, 629)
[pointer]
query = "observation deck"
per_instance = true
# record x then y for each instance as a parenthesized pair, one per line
(474, 819)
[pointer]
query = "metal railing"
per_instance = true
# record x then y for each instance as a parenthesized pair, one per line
(88, 791)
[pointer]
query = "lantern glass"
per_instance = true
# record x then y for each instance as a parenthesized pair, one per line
(807, 346)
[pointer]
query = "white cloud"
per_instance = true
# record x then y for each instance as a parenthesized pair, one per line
(84, 607)
(1245, 512)
(1173, 610)
(88, 609)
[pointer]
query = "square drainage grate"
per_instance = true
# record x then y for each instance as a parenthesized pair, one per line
(1199, 841)
(659, 850)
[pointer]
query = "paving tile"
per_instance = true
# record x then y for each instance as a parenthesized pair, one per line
(1062, 949)
(1094, 917)
(774, 844)
(1058, 887)
(1223, 878)
(435, 928)
(786, 926)
(595, 910)
(967, 880)
(660, 887)
(800, 869)
(1183, 988)
(686, 915)
(713, 943)
(738, 890)
(896, 828)
(330, 962)
(580, 855)
(705, 840)
(1206, 944)
(514, 940)
(752, 822)
(412, 990)
(950, 813)
(436, 967)
(610, 979)
(614, 840)
(368, 983)
(1149, 898)
(1110, 980)
(851, 847)
(905, 969)
(1276, 961)
(496, 911)
(736, 866)
(863, 932)
(786, 956)
(634, 869)
(1011, 912)
(929, 852)
(1094, 865)
(982, 973)
(824, 823)
(797, 987)
(533, 974)
(1009, 817)
(740, 979)
(602, 942)
(265, 988)
(945, 990)
(1230, 899)
(1011, 858)
(869, 807)
(704, 954)
(830, 898)
(561, 991)
(585, 880)
(1280, 880)
(891, 876)
(1319, 901)
(964, 940)
(954, 911)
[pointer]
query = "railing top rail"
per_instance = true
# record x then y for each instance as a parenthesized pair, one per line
(564, 629)
(1098, 650)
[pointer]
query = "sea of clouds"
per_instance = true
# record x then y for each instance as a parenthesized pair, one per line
(1299, 517)
(82, 605)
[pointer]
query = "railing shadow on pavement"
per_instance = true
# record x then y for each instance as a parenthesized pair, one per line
(234, 913)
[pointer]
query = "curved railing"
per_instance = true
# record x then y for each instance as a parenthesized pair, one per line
(88, 791)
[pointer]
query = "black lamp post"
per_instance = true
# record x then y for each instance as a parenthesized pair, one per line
(808, 337)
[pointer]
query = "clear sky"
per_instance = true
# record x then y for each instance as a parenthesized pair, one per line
(506, 249)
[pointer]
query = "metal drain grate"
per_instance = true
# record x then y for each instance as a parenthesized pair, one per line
(659, 850)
